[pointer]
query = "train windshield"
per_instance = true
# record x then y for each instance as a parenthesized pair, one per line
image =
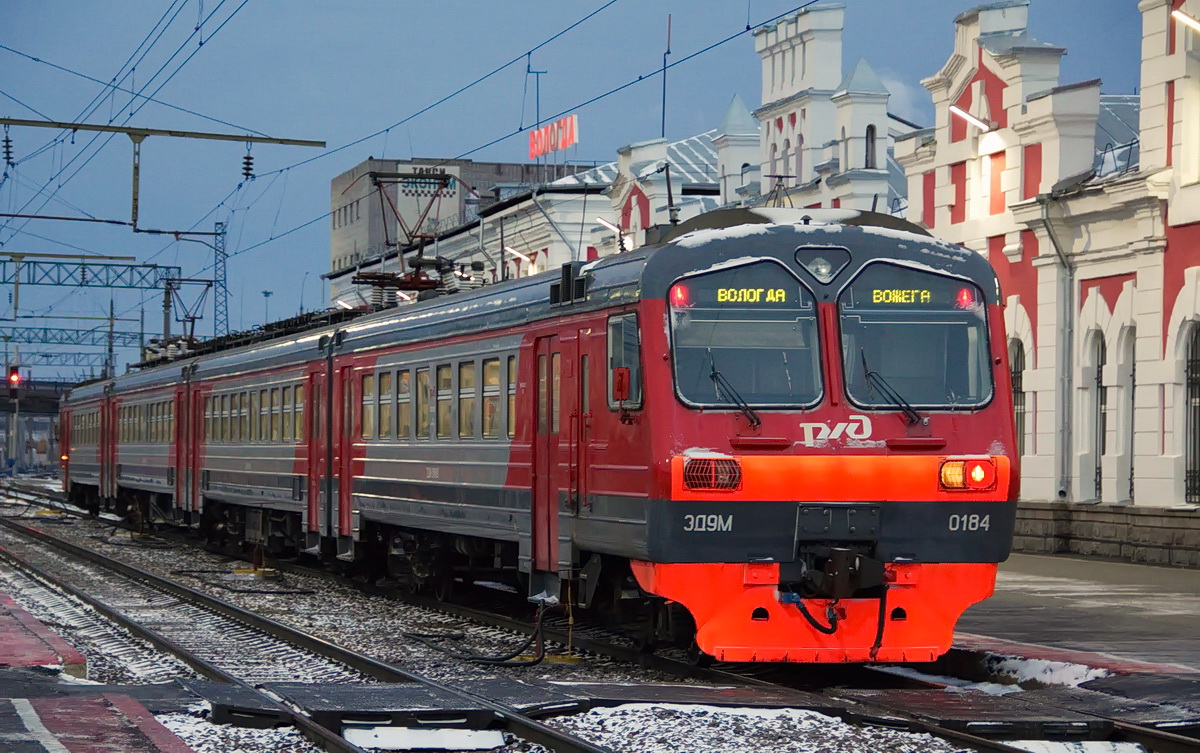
(923, 333)
(745, 334)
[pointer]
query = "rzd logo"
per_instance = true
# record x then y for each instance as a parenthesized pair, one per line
(858, 427)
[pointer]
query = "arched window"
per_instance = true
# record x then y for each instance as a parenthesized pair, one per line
(869, 161)
(1100, 411)
(745, 167)
(1016, 367)
(845, 152)
(787, 157)
(1192, 406)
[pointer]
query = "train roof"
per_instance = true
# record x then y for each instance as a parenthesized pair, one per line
(727, 237)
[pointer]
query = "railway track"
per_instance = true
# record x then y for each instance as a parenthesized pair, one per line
(599, 641)
(272, 646)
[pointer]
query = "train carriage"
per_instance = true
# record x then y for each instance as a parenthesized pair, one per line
(784, 435)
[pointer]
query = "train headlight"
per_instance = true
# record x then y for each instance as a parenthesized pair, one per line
(967, 474)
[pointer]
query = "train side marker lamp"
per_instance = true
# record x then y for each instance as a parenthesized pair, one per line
(961, 113)
(1185, 19)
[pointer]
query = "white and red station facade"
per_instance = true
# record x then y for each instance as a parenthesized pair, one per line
(1095, 237)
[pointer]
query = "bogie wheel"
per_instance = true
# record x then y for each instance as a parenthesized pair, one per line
(698, 658)
(443, 585)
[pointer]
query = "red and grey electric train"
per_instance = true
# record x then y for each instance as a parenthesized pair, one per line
(784, 435)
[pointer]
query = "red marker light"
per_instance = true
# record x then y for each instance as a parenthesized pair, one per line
(14, 377)
(965, 299)
(680, 296)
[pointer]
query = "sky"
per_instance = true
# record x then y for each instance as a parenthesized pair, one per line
(341, 72)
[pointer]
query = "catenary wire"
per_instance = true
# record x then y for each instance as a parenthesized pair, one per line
(115, 87)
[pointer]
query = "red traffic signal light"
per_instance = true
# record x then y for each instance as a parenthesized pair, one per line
(14, 376)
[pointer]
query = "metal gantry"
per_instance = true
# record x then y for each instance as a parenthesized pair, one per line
(66, 359)
(84, 337)
(27, 271)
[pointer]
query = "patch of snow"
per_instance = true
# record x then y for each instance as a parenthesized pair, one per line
(708, 235)
(1044, 671)
(705, 452)
(1045, 746)
(991, 688)
(671, 728)
(202, 736)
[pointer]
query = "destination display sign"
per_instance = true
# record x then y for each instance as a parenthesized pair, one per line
(888, 287)
(760, 285)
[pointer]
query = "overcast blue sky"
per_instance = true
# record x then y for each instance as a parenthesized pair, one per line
(339, 71)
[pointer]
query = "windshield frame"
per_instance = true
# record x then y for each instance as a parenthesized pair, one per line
(986, 346)
(730, 405)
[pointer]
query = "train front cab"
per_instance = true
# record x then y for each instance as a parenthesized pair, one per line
(866, 494)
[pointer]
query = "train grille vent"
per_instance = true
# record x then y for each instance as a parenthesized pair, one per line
(712, 473)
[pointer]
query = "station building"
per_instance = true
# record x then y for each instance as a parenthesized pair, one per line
(1088, 207)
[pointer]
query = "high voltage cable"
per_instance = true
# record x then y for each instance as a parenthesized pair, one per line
(96, 101)
(127, 91)
(636, 81)
(446, 98)
(127, 117)
(590, 101)
(593, 100)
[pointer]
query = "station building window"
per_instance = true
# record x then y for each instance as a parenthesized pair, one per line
(1100, 395)
(1016, 366)
(1192, 406)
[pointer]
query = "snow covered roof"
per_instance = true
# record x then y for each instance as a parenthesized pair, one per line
(968, 14)
(693, 160)
(1005, 42)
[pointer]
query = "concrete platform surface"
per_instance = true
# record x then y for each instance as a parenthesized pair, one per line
(101, 724)
(25, 642)
(1123, 617)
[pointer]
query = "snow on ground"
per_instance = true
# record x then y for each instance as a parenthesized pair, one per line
(202, 736)
(1043, 671)
(648, 728)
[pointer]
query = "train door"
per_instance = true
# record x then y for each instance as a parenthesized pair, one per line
(196, 429)
(581, 420)
(108, 449)
(342, 458)
(551, 462)
(65, 450)
(178, 455)
(318, 462)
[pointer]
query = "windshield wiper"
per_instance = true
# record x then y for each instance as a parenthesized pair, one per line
(874, 379)
(731, 394)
